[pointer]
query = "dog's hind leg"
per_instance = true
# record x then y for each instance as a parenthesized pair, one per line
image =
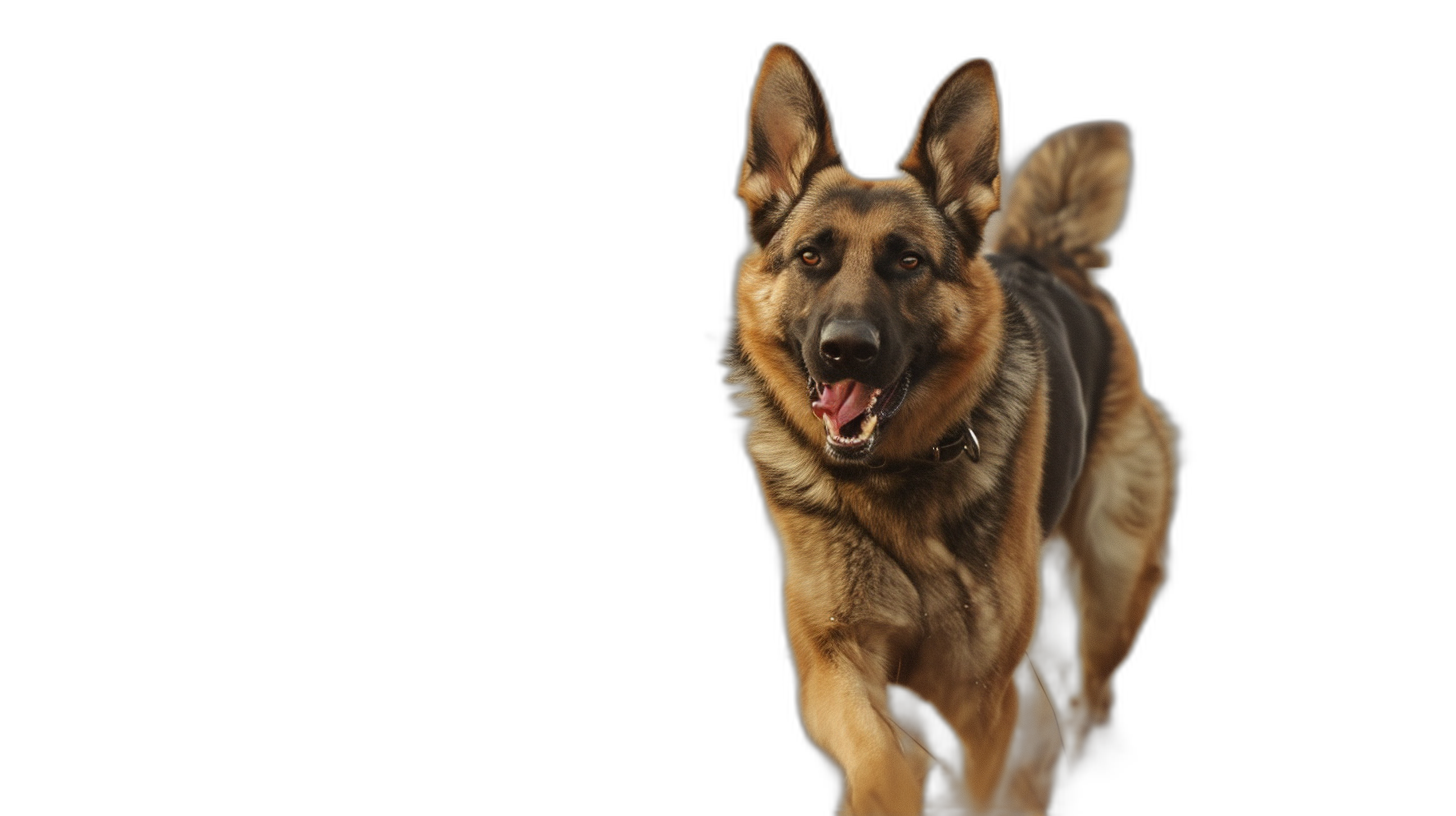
(1117, 526)
(1046, 681)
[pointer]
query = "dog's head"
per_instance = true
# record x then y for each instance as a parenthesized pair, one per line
(871, 292)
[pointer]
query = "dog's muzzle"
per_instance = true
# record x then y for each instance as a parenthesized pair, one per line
(853, 412)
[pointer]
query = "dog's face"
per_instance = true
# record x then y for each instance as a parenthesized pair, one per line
(864, 305)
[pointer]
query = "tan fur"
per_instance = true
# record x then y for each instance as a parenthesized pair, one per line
(887, 586)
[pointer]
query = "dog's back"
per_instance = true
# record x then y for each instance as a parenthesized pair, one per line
(1077, 343)
(1066, 200)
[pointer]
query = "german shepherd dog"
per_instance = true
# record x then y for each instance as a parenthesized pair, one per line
(924, 416)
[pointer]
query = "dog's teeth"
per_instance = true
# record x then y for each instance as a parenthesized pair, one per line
(867, 429)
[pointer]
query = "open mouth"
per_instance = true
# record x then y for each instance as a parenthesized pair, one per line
(853, 413)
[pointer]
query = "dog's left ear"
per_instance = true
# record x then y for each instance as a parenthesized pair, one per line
(955, 156)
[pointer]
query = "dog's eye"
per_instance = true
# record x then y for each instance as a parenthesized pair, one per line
(909, 261)
(809, 257)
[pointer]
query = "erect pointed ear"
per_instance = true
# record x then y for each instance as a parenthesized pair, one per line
(788, 140)
(955, 155)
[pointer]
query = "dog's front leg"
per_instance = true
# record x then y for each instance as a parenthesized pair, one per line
(844, 707)
(985, 721)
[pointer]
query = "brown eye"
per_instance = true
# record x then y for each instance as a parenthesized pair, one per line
(909, 261)
(809, 257)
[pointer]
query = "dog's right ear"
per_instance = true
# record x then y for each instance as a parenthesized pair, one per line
(788, 141)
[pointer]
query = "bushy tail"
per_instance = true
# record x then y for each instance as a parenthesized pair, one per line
(1069, 197)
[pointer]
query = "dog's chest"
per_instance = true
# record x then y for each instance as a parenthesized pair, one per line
(928, 614)
(925, 576)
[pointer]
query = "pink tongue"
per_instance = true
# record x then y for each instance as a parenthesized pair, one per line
(842, 401)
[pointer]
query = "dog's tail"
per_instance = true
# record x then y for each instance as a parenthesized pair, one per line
(1068, 198)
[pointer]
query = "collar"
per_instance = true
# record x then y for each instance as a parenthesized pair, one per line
(954, 444)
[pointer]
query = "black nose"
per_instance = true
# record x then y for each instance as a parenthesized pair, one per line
(849, 342)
